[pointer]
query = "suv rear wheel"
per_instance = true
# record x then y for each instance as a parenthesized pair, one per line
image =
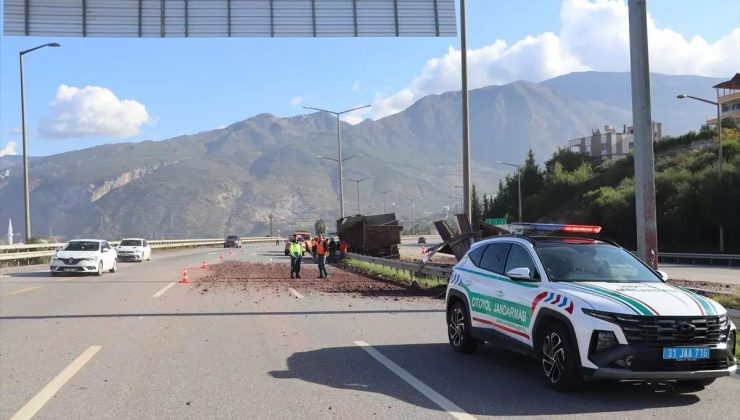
(559, 358)
(458, 328)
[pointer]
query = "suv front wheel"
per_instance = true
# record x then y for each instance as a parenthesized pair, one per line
(458, 329)
(559, 358)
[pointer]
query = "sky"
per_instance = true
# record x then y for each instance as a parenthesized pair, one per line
(94, 91)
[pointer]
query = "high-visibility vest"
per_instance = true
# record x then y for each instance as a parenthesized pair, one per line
(320, 248)
(295, 249)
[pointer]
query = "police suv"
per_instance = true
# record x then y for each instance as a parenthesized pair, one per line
(586, 309)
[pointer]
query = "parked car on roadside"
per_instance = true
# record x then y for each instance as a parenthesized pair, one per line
(91, 256)
(134, 249)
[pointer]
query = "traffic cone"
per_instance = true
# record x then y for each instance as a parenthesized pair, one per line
(204, 264)
(185, 278)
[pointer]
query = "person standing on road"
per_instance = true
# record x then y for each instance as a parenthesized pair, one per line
(321, 249)
(295, 249)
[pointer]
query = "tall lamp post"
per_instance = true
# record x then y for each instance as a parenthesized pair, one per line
(384, 194)
(357, 182)
(412, 199)
(339, 148)
(519, 184)
(27, 204)
(719, 157)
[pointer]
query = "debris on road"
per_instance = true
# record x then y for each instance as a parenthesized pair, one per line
(274, 277)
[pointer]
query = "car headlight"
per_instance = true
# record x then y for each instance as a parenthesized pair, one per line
(90, 259)
(605, 316)
(55, 258)
(603, 340)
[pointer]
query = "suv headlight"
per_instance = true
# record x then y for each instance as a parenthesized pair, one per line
(604, 316)
(90, 259)
(603, 340)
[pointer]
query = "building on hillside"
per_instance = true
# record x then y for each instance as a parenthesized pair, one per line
(728, 96)
(610, 144)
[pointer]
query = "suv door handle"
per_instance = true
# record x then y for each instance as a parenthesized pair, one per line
(499, 293)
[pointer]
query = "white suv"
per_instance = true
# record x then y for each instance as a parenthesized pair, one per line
(585, 309)
(84, 256)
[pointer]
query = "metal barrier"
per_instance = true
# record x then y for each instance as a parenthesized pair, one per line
(436, 270)
(25, 252)
(678, 257)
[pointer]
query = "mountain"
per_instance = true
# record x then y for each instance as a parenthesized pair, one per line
(230, 180)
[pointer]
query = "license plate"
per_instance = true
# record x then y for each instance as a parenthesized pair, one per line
(685, 353)
(70, 269)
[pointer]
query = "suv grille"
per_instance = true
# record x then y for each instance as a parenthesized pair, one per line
(664, 330)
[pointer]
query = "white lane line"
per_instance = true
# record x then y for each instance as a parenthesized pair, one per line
(32, 407)
(451, 408)
(295, 293)
(163, 290)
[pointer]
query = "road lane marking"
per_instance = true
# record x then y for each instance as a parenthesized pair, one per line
(19, 291)
(34, 405)
(451, 408)
(295, 293)
(163, 290)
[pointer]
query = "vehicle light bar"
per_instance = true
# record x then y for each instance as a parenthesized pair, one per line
(552, 227)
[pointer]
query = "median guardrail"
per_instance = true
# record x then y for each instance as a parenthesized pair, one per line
(415, 267)
(21, 252)
(694, 259)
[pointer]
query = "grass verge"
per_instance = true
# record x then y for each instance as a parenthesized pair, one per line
(728, 301)
(395, 274)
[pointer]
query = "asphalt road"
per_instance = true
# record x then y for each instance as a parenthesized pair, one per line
(105, 347)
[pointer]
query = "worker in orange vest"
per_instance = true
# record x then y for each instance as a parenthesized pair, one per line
(343, 247)
(321, 249)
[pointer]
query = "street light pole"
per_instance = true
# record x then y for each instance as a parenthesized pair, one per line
(357, 181)
(719, 157)
(384, 194)
(26, 192)
(465, 114)
(339, 148)
(518, 183)
(412, 212)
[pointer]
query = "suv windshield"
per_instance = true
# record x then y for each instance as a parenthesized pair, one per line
(130, 242)
(592, 261)
(82, 246)
(232, 237)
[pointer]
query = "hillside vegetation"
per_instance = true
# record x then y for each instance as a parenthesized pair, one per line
(690, 200)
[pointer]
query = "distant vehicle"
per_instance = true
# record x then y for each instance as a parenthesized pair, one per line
(422, 240)
(585, 309)
(84, 256)
(305, 238)
(232, 241)
(134, 249)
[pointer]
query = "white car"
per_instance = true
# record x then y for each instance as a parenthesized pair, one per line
(585, 309)
(84, 256)
(134, 249)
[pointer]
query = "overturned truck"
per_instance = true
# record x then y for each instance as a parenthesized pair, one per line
(376, 235)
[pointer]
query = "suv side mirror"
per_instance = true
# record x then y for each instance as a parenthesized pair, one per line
(105, 250)
(663, 275)
(520, 273)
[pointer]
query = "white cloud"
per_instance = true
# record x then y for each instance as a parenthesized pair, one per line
(298, 100)
(356, 86)
(356, 116)
(92, 111)
(9, 149)
(594, 36)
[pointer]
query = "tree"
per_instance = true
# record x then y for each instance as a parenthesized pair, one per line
(320, 227)
(729, 122)
(477, 207)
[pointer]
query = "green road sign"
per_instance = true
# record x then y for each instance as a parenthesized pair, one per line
(497, 221)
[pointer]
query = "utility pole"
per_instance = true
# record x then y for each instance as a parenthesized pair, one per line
(357, 181)
(465, 115)
(647, 230)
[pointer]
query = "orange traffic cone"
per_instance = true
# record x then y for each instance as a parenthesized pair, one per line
(185, 278)
(204, 264)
